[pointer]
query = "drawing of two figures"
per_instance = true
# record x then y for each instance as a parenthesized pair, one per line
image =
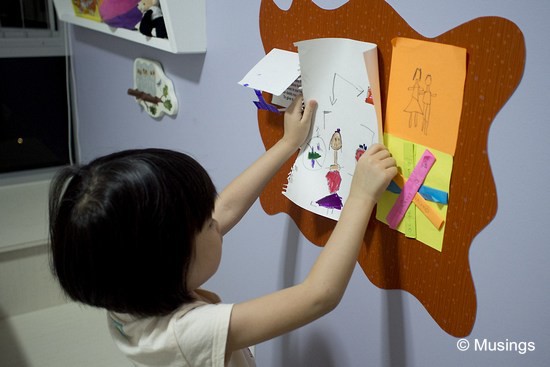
(421, 101)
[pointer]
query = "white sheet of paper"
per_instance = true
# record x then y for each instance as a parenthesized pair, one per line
(334, 73)
(286, 98)
(274, 73)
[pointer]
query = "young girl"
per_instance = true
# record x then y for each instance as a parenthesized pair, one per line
(138, 232)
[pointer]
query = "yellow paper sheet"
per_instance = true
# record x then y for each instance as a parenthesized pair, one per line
(439, 178)
(425, 93)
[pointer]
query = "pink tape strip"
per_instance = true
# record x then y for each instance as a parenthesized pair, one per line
(410, 189)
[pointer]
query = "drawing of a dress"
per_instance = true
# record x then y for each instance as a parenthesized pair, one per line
(333, 200)
(414, 107)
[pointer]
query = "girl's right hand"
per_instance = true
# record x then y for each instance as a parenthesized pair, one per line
(297, 123)
(373, 173)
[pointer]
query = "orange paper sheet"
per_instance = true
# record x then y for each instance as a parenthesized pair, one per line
(425, 93)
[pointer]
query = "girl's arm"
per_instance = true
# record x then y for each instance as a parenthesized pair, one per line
(269, 316)
(235, 200)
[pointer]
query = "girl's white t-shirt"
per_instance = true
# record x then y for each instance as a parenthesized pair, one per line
(192, 336)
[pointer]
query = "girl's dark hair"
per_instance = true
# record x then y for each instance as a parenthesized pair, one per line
(122, 229)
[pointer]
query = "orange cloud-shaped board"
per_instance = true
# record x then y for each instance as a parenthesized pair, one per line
(441, 281)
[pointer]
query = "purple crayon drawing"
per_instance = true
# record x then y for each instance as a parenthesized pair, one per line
(332, 201)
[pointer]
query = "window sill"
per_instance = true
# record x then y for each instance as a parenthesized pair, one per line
(24, 215)
(66, 335)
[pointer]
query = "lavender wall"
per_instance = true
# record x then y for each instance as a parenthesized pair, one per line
(217, 125)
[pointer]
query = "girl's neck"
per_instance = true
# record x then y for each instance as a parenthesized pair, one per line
(206, 296)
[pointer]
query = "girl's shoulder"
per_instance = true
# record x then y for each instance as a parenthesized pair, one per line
(202, 298)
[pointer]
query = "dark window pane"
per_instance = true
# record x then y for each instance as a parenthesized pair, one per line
(10, 14)
(24, 14)
(33, 113)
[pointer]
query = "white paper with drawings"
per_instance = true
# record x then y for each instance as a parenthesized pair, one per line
(274, 72)
(347, 121)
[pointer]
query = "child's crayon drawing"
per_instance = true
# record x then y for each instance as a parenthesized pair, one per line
(346, 118)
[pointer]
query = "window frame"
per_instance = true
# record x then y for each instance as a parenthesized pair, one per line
(32, 42)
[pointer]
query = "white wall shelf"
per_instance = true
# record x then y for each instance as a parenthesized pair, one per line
(185, 22)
